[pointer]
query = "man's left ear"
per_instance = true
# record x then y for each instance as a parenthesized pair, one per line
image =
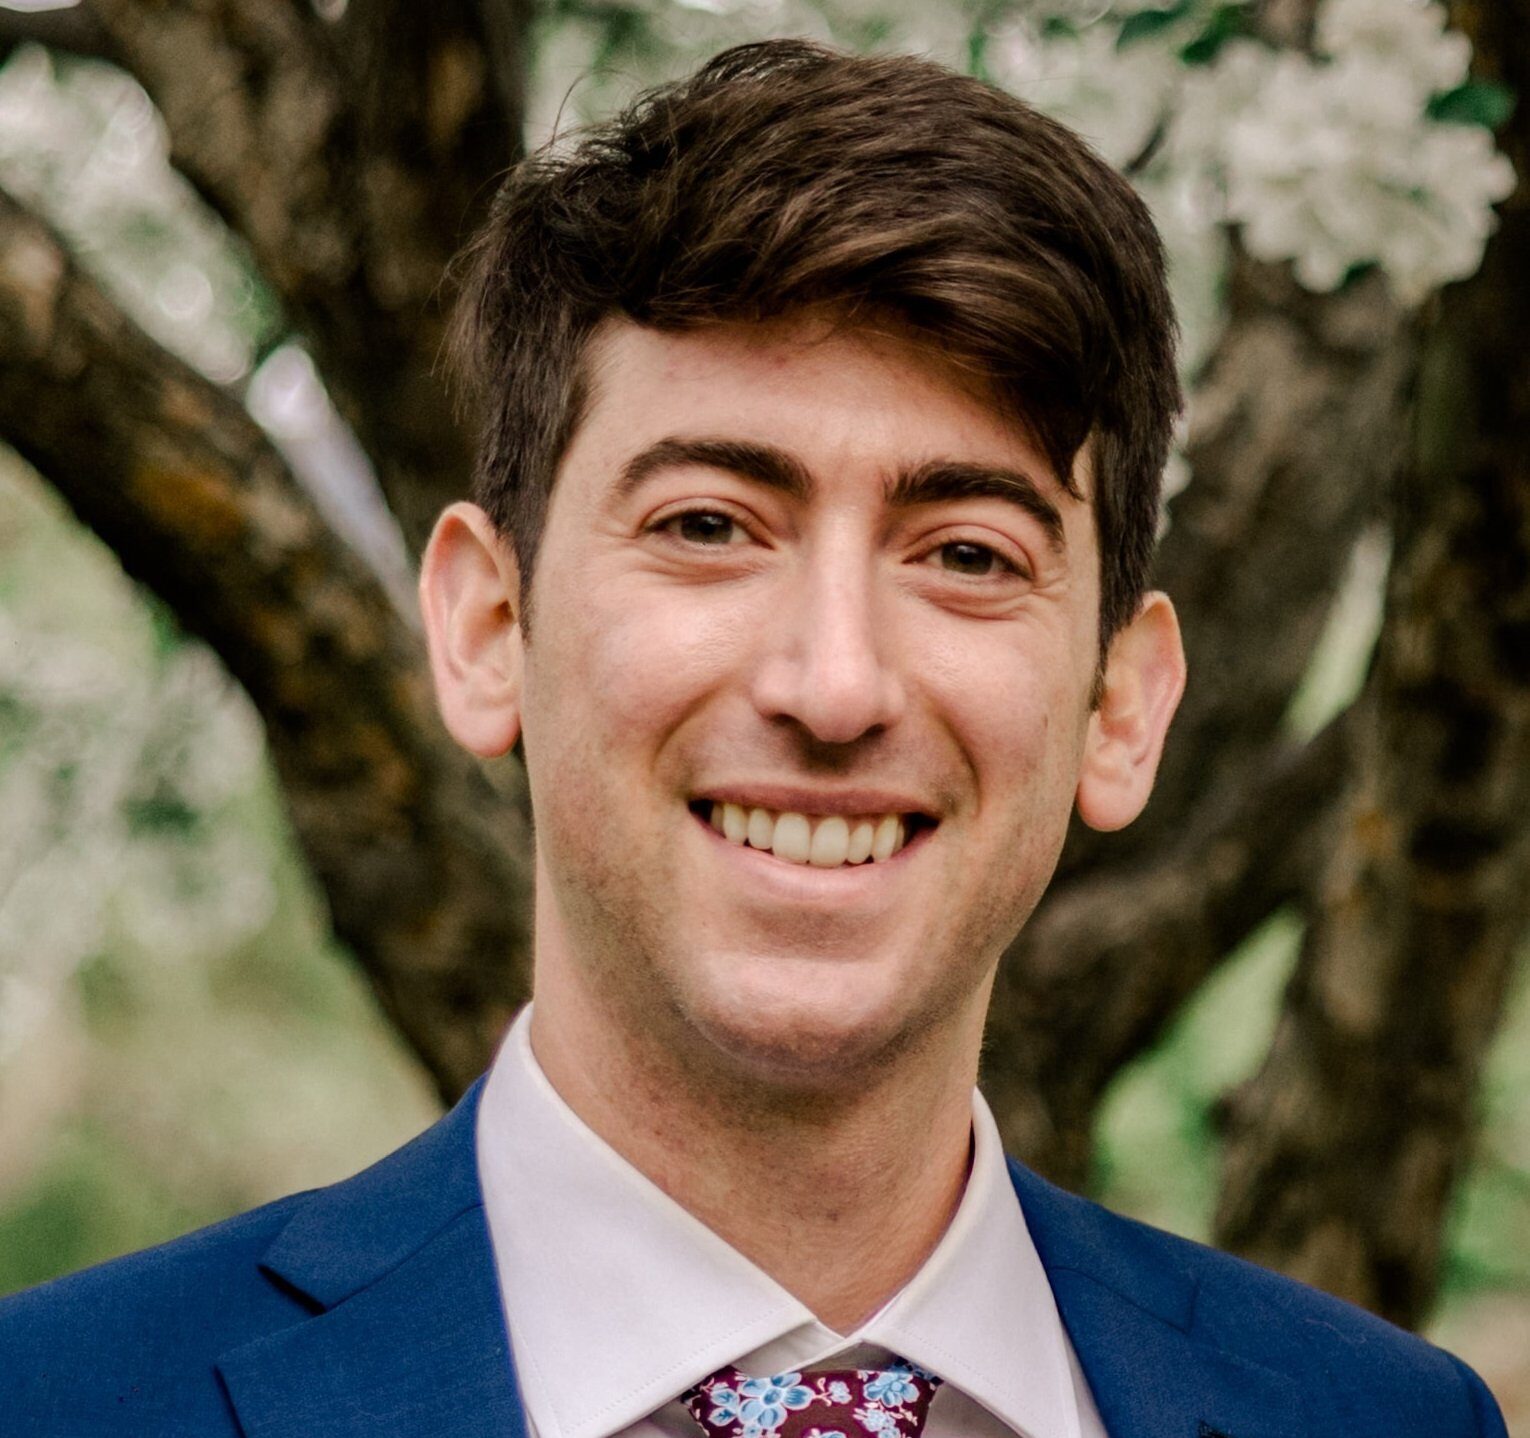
(1144, 678)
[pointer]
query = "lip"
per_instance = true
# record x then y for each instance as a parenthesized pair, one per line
(790, 799)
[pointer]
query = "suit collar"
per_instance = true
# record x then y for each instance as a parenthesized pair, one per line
(1129, 1309)
(346, 1236)
(408, 1337)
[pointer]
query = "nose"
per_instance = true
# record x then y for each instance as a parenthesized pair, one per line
(827, 656)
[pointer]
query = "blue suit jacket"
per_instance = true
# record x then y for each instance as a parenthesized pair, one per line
(370, 1308)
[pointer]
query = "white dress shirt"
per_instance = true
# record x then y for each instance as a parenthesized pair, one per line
(617, 1299)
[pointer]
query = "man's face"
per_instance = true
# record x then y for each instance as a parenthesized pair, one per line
(800, 572)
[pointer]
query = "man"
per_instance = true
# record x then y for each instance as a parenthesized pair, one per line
(826, 402)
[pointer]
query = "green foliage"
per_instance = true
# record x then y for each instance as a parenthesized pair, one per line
(1477, 102)
(1226, 23)
(1208, 27)
(977, 53)
(1146, 24)
(1488, 1234)
(92, 1197)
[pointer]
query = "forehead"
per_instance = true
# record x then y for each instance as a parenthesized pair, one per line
(840, 398)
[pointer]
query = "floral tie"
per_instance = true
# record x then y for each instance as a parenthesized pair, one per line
(889, 1402)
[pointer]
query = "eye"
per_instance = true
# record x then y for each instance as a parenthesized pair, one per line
(710, 527)
(975, 561)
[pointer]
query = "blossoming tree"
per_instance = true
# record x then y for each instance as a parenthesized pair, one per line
(1326, 174)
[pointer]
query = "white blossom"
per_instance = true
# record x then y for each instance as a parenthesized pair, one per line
(1332, 162)
(1114, 97)
(1409, 37)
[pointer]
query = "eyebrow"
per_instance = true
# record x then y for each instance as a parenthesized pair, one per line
(763, 463)
(947, 479)
(929, 483)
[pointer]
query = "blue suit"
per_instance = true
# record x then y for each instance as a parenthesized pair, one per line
(370, 1308)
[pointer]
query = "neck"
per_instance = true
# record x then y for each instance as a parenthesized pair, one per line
(838, 1192)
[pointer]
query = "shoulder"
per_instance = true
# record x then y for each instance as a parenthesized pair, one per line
(1365, 1365)
(129, 1346)
(1357, 1372)
(138, 1346)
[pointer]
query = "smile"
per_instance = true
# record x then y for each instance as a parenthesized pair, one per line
(827, 841)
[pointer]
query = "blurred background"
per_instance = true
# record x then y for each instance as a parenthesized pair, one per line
(260, 920)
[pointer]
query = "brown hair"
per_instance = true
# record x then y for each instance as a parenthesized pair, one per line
(784, 175)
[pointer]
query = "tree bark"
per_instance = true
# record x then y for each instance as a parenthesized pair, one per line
(1296, 427)
(421, 859)
(72, 31)
(1343, 1150)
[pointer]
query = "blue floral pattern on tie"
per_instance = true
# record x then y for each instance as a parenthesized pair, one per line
(892, 1388)
(768, 1400)
(888, 1402)
(726, 1404)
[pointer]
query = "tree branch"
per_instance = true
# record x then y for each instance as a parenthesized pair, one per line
(424, 865)
(1286, 22)
(507, 31)
(354, 159)
(1295, 430)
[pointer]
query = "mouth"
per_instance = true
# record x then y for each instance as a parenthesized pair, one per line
(820, 841)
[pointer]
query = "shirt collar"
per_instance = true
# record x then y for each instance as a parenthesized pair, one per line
(617, 1299)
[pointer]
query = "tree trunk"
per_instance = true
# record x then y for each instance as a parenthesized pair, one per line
(1343, 1150)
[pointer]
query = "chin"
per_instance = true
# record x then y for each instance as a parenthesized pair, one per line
(796, 1028)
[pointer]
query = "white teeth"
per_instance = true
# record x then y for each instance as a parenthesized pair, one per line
(886, 839)
(735, 823)
(825, 843)
(793, 838)
(761, 828)
(831, 842)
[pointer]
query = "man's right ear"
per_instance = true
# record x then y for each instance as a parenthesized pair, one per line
(470, 600)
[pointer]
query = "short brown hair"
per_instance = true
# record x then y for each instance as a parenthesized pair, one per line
(783, 176)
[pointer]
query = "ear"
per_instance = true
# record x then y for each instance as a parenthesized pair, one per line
(470, 602)
(1144, 678)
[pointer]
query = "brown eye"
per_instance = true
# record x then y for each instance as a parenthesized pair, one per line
(962, 557)
(704, 526)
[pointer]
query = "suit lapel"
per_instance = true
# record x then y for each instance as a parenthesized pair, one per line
(408, 1336)
(1129, 1309)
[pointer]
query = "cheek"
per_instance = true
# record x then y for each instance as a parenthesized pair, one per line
(1009, 699)
(614, 673)
(1020, 736)
(651, 657)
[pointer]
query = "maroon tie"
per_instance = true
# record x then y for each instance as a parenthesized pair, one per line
(886, 1402)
